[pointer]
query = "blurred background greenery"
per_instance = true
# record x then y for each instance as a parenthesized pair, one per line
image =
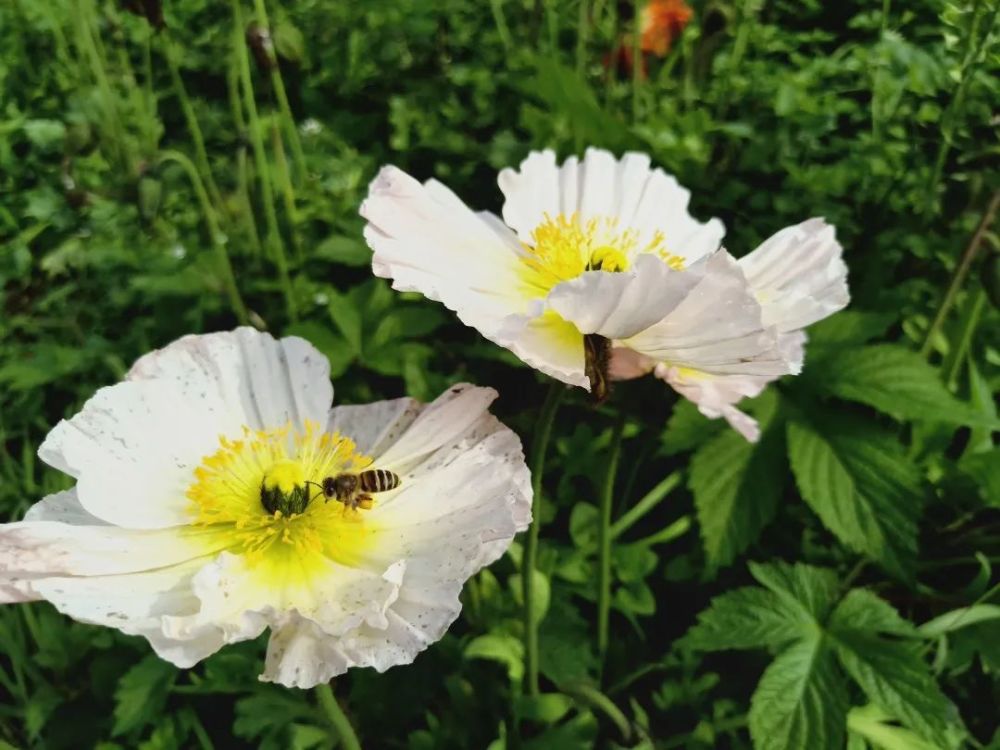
(192, 166)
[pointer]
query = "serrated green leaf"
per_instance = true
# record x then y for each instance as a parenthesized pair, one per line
(688, 428)
(747, 618)
(896, 381)
(863, 610)
(861, 485)
(801, 700)
(142, 694)
(960, 618)
(736, 486)
(800, 587)
(875, 726)
(893, 675)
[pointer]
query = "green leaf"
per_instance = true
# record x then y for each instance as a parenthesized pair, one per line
(876, 727)
(142, 694)
(893, 380)
(736, 486)
(982, 469)
(849, 328)
(893, 675)
(959, 618)
(863, 610)
(862, 486)
(345, 315)
(500, 647)
(547, 708)
(801, 700)
(801, 587)
(747, 618)
(348, 251)
(688, 428)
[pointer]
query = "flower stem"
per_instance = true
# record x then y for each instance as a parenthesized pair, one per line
(543, 431)
(594, 698)
(337, 717)
(646, 504)
(216, 236)
(273, 235)
(961, 271)
(604, 543)
(637, 61)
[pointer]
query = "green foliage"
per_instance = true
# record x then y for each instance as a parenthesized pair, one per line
(823, 637)
(134, 175)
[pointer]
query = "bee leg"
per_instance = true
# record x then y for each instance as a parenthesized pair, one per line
(365, 502)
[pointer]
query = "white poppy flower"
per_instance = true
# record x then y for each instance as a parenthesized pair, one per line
(195, 521)
(599, 247)
(796, 277)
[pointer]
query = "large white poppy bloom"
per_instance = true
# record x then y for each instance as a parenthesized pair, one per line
(599, 247)
(797, 277)
(193, 523)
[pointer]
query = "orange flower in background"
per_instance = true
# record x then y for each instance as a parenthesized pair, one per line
(662, 22)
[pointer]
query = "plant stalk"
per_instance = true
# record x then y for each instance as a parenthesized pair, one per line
(539, 447)
(273, 237)
(215, 234)
(335, 714)
(604, 544)
(961, 271)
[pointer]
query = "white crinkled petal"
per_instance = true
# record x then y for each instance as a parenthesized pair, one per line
(426, 240)
(240, 602)
(716, 328)
(154, 429)
(643, 199)
(263, 381)
(619, 305)
(799, 275)
(548, 343)
(714, 395)
(63, 507)
(460, 503)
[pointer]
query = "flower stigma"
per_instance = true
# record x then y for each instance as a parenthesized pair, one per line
(565, 247)
(258, 493)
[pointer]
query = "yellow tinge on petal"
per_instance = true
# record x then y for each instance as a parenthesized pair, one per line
(303, 531)
(563, 247)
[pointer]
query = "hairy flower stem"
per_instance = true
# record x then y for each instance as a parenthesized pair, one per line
(961, 271)
(337, 717)
(169, 51)
(539, 447)
(255, 128)
(215, 234)
(604, 543)
(284, 110)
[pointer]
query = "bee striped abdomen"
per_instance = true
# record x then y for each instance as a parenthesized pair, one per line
(378, 480)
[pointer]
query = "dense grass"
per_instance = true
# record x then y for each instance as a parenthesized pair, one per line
(158, 180)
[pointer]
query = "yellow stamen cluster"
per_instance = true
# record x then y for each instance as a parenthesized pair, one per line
(564, 247)
(226, 494)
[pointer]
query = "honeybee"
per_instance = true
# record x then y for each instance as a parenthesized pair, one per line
(355, 490)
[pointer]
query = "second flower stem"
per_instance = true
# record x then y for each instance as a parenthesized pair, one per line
(604, 543)
(539, 447)
(336, 716)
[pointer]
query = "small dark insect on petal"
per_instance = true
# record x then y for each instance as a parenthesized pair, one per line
(597, 351)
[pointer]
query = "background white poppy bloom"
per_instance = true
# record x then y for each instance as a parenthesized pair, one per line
(793, 279)
(165, 534)
(599, 246)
